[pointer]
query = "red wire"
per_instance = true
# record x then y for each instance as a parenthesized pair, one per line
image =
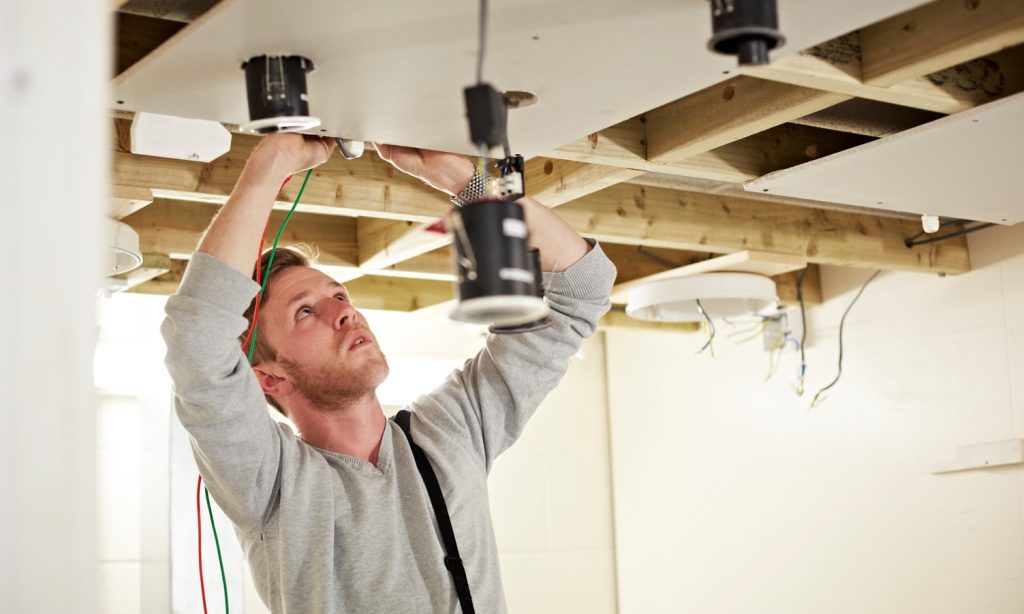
(199, 482)
(259, 256)
(199, 534)
(256, 309)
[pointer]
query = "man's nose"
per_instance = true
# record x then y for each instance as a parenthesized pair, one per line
(339, 314)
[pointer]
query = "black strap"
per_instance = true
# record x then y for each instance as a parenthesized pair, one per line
(444, 521)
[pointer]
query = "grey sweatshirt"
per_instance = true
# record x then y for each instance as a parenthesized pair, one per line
(326, 532)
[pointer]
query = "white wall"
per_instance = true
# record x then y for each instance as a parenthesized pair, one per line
(731, 496)
(133, 458)
(53, 162)
(551, 500)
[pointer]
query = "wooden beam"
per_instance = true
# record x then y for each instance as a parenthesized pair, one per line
(369, 292)
(780, 147)
(938, 35)
(785, 287)
(383, 243)
(967, 82)
(702, 222)
(437, 264)
(726, 112)
(136, 36)
(624, 146)
(365, 186)
(636, 261)
(174, 227)
(397, 294)
(556, 182)
(746, 261)
(733, 190)
(125, 200)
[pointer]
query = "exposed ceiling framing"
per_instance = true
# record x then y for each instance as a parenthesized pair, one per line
(366, 218)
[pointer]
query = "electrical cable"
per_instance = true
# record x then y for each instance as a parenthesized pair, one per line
(273, 252)
(711, 330)
(483, 42)
(958, 233)
(259, 257)
(256, 306)
(216, 540)
(817, 397)
(250, 340)
(199, 535)
(803, 331)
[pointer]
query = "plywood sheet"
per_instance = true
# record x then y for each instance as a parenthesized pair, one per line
(966, 165)
(394, 71)
(748, 261)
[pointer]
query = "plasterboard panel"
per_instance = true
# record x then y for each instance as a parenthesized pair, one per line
(965, 166)
(394, 71)
(748, 261)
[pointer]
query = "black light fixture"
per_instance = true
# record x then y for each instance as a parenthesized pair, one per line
(276, 90)
(748, 29)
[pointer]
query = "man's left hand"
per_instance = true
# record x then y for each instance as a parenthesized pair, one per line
(445, 171)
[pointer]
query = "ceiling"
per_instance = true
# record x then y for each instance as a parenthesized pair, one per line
(639, 138)
(396, 74)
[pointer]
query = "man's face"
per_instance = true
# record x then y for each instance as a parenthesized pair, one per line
(324, 346)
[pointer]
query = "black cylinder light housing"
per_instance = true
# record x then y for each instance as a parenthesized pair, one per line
(748, 29)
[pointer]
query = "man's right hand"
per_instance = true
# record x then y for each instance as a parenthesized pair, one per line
(290, 153)
(234, 235)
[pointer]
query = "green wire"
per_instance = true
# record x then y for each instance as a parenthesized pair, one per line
(252, 348)
(216, 540)
(273, 252)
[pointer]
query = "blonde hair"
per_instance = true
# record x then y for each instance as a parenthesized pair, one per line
(285, 258)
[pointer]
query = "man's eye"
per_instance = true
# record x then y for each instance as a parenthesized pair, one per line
(303, 312)
(341, 297)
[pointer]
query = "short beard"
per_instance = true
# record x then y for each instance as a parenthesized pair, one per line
(330, 387)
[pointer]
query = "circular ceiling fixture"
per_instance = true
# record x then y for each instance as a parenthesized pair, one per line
(722, 295)
(122, 249)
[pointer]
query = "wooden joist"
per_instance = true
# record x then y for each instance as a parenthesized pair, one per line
(174, 227)
(966, 82)
(367, 185)
(703, 222)
(125, 200)
(938, 35)
(624, 146)
(556, 182)
(368, 292)
(383, 243)
(136, 36)
(727, 112)
(637, 262)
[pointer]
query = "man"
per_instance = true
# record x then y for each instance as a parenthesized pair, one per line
(335, 518)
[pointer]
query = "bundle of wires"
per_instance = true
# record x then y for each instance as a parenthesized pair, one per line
(250, 341)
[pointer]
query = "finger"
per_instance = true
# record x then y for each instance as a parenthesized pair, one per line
(329, 145)
(383, 150)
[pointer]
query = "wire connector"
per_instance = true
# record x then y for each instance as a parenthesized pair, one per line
(487, 114)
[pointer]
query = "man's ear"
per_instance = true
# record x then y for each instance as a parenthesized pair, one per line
(273, 379)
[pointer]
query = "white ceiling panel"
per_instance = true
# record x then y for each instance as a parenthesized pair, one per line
(962, 166)
(394, 71)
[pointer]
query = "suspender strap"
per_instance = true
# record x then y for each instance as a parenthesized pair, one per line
(444, 522)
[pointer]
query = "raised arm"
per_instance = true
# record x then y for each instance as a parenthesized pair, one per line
(487, 403)
(234, 235)
(237, 446)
